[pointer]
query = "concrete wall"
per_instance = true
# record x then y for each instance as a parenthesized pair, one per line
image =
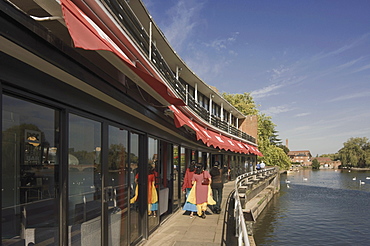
(258, 191)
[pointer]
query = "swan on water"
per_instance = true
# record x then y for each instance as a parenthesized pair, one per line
(362, 182)
(354, 178)
(287, 181)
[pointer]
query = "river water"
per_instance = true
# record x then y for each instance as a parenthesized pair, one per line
(324, 207)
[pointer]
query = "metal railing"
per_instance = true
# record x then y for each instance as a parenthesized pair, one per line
(128, 20)
(241, 228)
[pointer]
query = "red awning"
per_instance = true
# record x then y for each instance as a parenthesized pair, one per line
(231, 145)
(240, 147)
(217, 141)
(253, 150)
(181, 119)
(211, 138)
(87, 35)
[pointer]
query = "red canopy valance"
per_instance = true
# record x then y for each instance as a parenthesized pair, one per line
(212, 138)
(87, 35)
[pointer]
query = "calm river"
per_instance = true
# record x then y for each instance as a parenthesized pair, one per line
(323, 207)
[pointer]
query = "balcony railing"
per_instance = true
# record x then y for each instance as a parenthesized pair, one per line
(124, 15)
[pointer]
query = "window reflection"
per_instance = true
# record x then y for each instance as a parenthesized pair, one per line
(29, 173)
(182, 169)
(153, 183)
(135, 225)
(117, 184)
(84, 180)
(175, 177)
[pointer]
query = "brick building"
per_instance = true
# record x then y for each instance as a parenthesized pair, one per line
(301, 156)
(326, 162)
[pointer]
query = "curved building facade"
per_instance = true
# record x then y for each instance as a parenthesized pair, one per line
(100, 119)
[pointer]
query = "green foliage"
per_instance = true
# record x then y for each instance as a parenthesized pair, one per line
(315, 164)
(117, 156)
(333, 157)
(266, 128)
(283, 147)
(355, 153)
(242, 102)
(267, 135)
(274, 138)
(85, 157)
(275, 156)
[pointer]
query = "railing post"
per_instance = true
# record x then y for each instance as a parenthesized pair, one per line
(150, 41)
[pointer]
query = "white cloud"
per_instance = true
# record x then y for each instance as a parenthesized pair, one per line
(302, 114)
(276, 110)
(351, 96)
(223, 43)
(183, 19)
(350, 63)
(266, 91)
(366, 67)
(342, 49)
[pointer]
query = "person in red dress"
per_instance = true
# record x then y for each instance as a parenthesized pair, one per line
(152, 192)
(202, 192)
(186, 187)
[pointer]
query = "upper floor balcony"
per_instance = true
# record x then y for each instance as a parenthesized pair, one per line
(138, 23)
(133, 31)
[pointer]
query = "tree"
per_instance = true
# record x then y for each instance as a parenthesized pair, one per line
(267, 135)
(266, 129)
(315, 164)
(242, 102)
(355, 152)
(333, 157)
(284, 147)
(275, 156)
(274, 140)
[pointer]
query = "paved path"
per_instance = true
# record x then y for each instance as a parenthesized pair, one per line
(181, 230)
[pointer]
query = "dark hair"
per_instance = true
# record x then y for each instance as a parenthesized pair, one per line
(151, 169)
(192, 167)
(214, 171)
(198, 168)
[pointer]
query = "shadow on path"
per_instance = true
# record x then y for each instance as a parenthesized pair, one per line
(229, 226)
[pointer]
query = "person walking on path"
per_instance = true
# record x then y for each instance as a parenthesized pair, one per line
(217, 185)
(201, 186)
(186, 187)
(262, 165)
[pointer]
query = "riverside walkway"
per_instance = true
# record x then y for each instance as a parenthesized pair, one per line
(181, 230)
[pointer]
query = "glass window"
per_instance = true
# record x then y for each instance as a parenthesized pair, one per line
(176, 183)
(205, 102)
(135, 225)
(182, 170)
(200, 99)
(117, 186)
(30, 171)
(153, 183)
(191, 91)
(84, 163)
(200, 157)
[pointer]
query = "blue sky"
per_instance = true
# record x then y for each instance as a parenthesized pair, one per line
(306, 63)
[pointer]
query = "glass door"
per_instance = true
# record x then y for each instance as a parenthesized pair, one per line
(85, 190)
(135, 229)
(116, 187)
(176, 177)
(153, 184)
(30, 171)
